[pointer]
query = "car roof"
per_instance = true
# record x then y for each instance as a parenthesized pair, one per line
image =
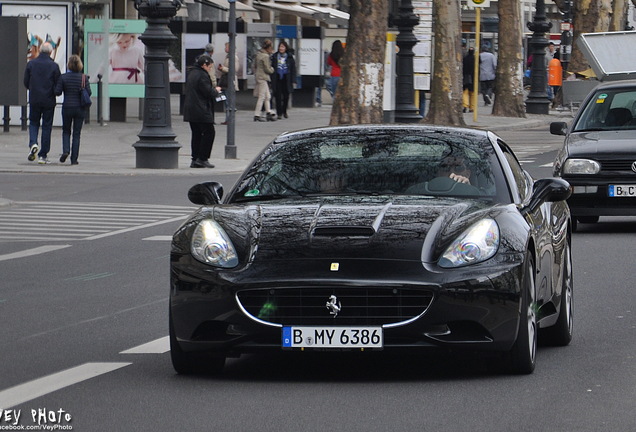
(382, 128)
(616, 84)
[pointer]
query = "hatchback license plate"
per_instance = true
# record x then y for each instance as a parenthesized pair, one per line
(332, 337)
(622, 190)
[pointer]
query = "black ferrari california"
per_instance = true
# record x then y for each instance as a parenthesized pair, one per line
(599, 154)
(374, 238)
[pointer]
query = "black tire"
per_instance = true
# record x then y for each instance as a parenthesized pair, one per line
(560, 334)
(588, 219)
(522, 356)
(193, 363)
(574, 224)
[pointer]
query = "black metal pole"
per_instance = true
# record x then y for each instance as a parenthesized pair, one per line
(100, 88)
(405, 109)
(157, 147)
(230, 147)
(566, 36)
(24, 118)
(6, 119)
(538, 102)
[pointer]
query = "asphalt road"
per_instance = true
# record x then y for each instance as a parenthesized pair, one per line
(84, 329)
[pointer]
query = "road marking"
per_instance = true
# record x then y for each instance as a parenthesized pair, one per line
(75, 324)
(159, 346)
(90, 276)
(31, 252)
(548, 165)
(39, 387)
(159, 238)
(95, 237)
(69, 222)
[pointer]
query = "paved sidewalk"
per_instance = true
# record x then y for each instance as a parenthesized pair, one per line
(108, 149)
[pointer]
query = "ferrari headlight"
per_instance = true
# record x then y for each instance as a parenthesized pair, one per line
(476, 244)
(581, 166)
(211, 245)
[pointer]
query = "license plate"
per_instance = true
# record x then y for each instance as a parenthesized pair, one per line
(622, 190)
(332, 337)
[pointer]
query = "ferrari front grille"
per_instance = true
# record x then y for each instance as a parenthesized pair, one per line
(335, 305)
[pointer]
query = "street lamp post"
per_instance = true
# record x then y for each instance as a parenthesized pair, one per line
(566, 36)
(538, 102)
(405, 109)
(230, 147)
(157, 147)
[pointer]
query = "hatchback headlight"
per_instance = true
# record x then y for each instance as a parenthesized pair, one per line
(581, 166)
(211, 245)
(478, 243)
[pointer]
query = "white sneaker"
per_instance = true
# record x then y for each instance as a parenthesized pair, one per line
(44, 161)
(33, 149)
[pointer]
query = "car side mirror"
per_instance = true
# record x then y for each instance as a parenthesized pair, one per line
(207, 193)
(548, 190)
(558, 128)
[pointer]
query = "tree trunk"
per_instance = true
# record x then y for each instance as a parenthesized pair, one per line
(509, 78)
(358, 99)
(589, 16)
(446, 84)
(619, 15)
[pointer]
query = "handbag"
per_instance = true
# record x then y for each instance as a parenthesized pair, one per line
(85, 98)
(223, 81)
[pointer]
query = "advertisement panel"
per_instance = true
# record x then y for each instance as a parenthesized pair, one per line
(117, 54)
(48, 22)
(45, 23)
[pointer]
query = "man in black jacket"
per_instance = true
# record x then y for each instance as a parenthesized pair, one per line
(40, 77)
(198, 110)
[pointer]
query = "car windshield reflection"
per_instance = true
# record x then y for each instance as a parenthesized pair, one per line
(433, 164)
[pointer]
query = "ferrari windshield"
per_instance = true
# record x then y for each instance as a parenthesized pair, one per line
(610, 109)
(409, 162)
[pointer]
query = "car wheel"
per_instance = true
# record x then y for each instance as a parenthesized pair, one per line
(522, 356)
(588, 219)
(188, 363)
(560, 334)
(574, 224)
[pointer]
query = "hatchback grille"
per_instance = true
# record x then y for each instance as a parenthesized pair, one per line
(359, 306)
(617, 165)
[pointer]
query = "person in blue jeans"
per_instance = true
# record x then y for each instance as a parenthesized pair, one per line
(72, 113)
(40, 77)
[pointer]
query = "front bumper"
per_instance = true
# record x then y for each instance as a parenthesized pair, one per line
(596, 201)
(476, 307)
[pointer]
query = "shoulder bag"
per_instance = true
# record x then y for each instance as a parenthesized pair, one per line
(85, 98)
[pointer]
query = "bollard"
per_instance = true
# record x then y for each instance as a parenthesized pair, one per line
(100, 117)
(6, 118)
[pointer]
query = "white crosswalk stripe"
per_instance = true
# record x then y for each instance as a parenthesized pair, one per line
(55, 221)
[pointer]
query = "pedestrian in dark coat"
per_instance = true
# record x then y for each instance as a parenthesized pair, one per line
(468, 68)
(283, 78)
(198, 110)
(40, 77)
(72, 112)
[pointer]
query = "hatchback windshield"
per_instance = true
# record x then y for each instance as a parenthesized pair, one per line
(609, 110)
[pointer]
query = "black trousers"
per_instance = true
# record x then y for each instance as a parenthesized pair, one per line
(282, 95)
(202, 140)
